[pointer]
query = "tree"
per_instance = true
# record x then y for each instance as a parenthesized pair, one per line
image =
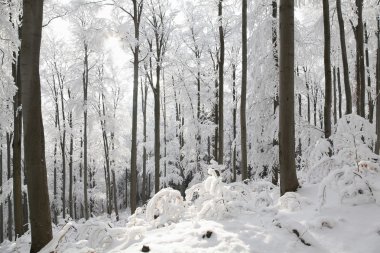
(378, 88)
(243, 123)
(221, 83)
(347, 87)
(34, 143)
(289, 181)
(328, 84)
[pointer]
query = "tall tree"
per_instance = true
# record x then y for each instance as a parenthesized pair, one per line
(347, 87)
(243, 123)
(289, 181)
(360, 68)
(378, 88)
(136, 16)
(17, 133)
(327, 57)
(221, 83)
(276, 98)
(34, 142)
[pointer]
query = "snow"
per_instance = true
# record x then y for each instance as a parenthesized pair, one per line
(328, 216)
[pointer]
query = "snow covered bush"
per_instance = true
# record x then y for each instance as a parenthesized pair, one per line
(292, 201)
(215, 199)
(347, 185)
(166, 206)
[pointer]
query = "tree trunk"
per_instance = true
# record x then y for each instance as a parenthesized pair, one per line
(234, 109)
(133, 190)
(276, 99)
(243, 123)
(327, 108)
(378, 89)
(85, 91)
(289, 181)
(360, 60)
(347, 87)
(71, 150)
(156, 93)
(1, 192)
(339, 94)
(221, 84)
(34, 142)
(10, 214)
(369, 94)
(144, 96)
(115, 195)
(335, 98)
(17, 133)
(63, 148)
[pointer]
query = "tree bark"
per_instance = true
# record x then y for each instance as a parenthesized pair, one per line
(276, 103)
(243, 102)
(347, 87)
(339, 94)
(221, 84)
(360, 60)
(71, 151)
(85, 93)
(34, 142)
(9, 137)
(17, 133)
(115, 195)
(1, 191)
(234, 112)
(377, 147)
(327, 49)
(144, 96)
(335, 98)
(289, 181)
(369, 94)
(137, 9)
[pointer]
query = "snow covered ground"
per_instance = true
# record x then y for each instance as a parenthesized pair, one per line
(336, 210)
(218, 217)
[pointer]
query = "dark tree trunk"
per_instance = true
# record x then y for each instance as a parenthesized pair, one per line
(9, 175)
(339, 94)
(289, 181)
(347, 87)
(360, 60)
(234, 121)
(71, 151)
(327, 63)
(378, 88)
(1, 191)
(335, 98)
(243, 123)
(17, 133)
(34, 142)
(369, 94)
(276, 103)
(221, 83)
(85, 93)
(144, 96)
(137, 9)
(115, 195)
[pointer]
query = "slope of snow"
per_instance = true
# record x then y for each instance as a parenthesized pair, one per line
(264, 222)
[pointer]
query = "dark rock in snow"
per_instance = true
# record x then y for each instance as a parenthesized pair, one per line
(208, 234)
(145, 249)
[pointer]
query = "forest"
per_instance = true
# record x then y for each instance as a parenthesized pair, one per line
(190, 126)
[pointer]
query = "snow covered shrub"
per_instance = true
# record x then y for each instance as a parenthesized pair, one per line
(348, 185)
(215, 199)
(322, 168)
(292, 201)
(353, 139)
(166, 206)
